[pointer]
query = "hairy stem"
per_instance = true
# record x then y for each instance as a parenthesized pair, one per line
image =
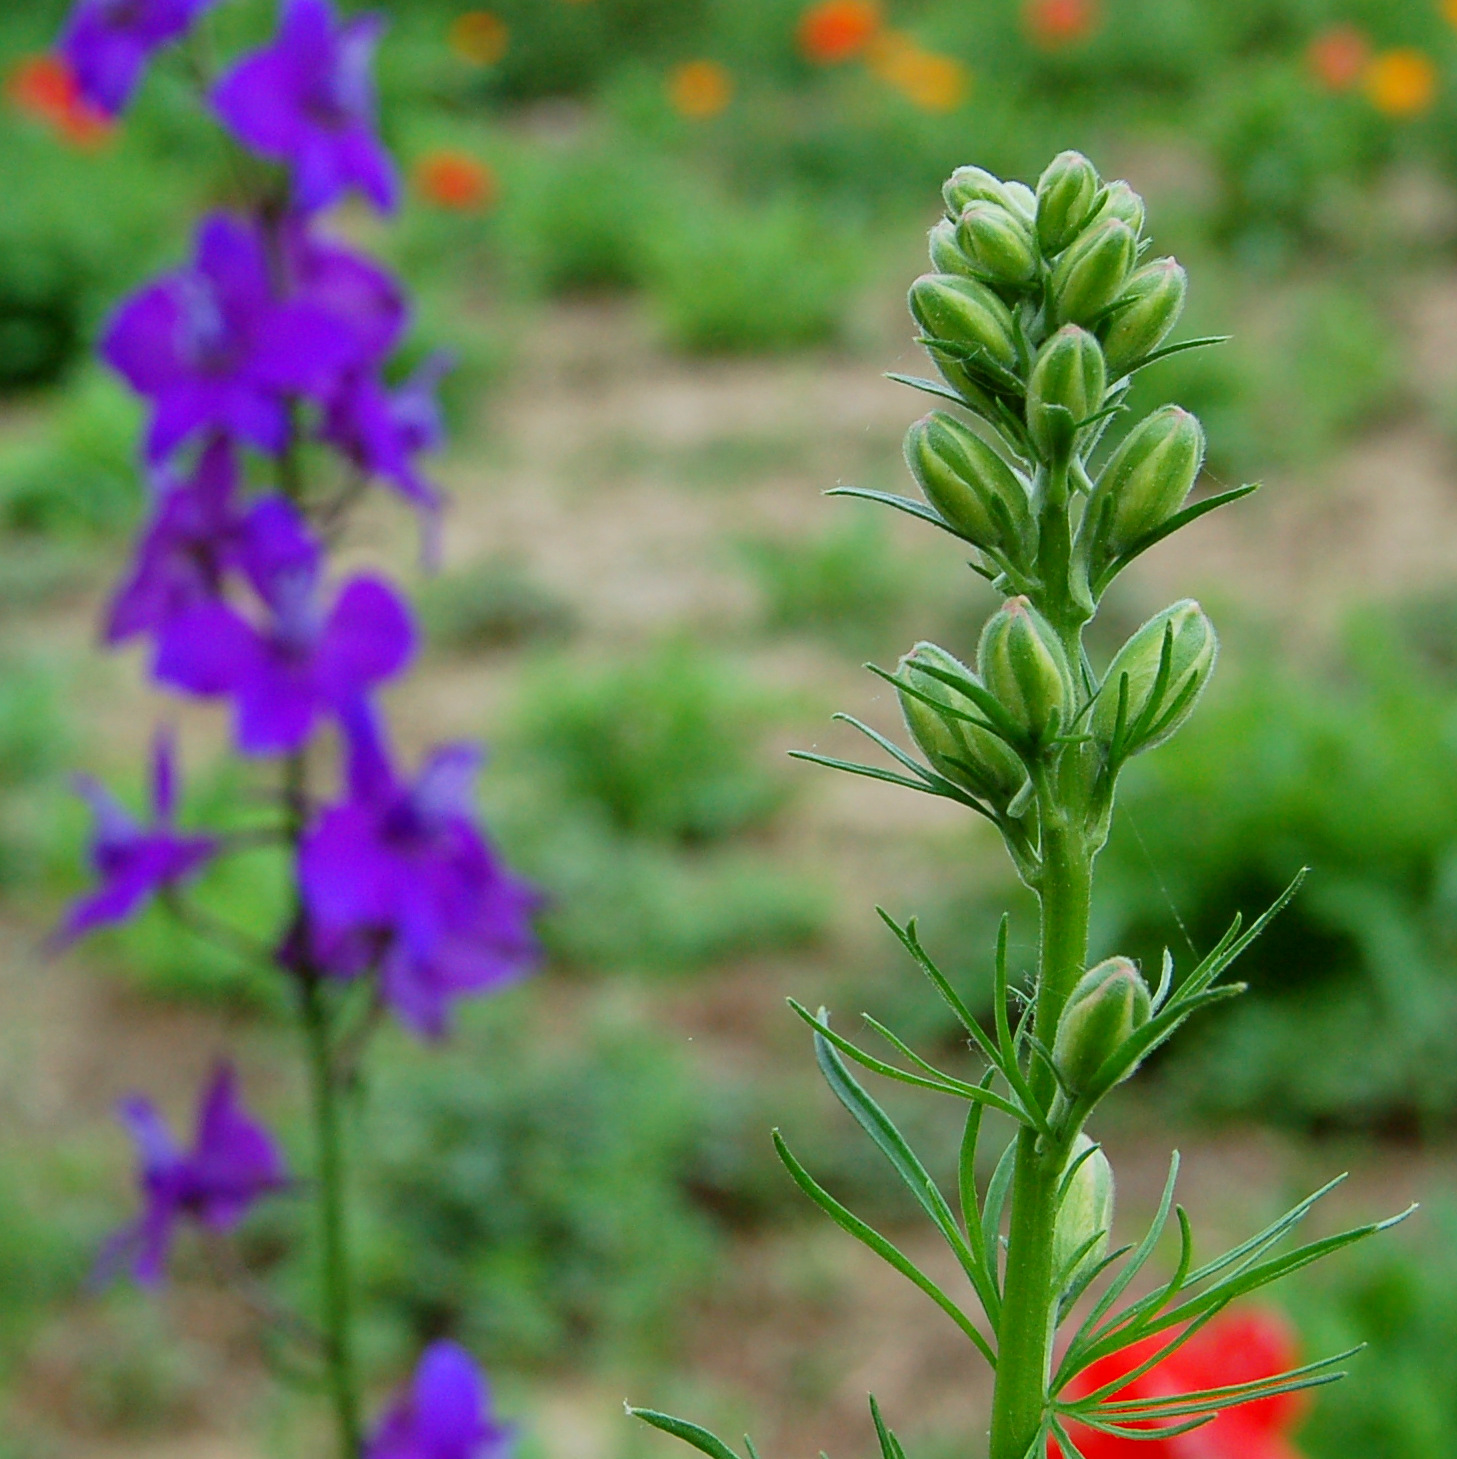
(1029, 1301)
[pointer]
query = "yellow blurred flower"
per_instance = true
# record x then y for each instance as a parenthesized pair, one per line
(930, 81)
(1402, 82)
(700, 89)
(479, 36)
(1449, 9)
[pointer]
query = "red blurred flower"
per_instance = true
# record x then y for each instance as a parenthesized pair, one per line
(1056, 23)
(838, 30)
(1338, 57)
(43, 87)
(1236, 1348)
(456, 180)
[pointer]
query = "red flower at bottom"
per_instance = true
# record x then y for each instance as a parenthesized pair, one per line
(1239, 1348)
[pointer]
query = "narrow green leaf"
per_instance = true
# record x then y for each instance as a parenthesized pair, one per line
(1167, 528)
(680, 1428)
(991, 1214)
(892, 1144)
(908, 505)
(930, 387)
(869, 1236)
(941, 1083)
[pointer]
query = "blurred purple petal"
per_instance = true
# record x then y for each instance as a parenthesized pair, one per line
(443, 1413)
(308, 100)
(108, 43)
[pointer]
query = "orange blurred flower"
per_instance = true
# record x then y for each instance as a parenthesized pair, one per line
(1449, 9)
(43, 88)
(1402, 82)
(1338, 57)
(700, 89)
(480, 37)
(456, 180)
(930, 81)
(838, 30)
(1056, 23)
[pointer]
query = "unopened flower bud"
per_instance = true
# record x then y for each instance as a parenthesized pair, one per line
(1066, 387)
(1148, 309)
(1145, 482)
(946, 254)
(967, 755)
(972, 185)
(1024, 665)
(977, 494)
(998, 243)
(1192, 651)
(1094, 271)
(1109, 1003)
(1120, 201)
(1066, 192)
(964, 312)
(1086, 1213)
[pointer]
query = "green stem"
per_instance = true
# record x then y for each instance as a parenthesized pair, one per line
(337, 1323)
(334, 1251)
(1024, 1345)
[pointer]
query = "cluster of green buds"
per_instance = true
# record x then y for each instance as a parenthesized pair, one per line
(1040, 311)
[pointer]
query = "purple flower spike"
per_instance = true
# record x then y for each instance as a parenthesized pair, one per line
(214, 350)
(382, 430)
(133, 862)
(308, 100)
(406, 867)
(443, 1413)
(303, 662)
(234, 1161)
(108, 43)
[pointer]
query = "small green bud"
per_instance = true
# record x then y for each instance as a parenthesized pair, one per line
(965, 312)
(1086, 1212)
(1094, 271)
(1148, 310)
(1024, 200)
(1145, 482)
(977, 494)
(1122, 202)
(1024, 665)
(973, 185)
(1066, 387)
(1193, 649)
(998, 243)
(946, 254)
(967, 755)
(1066, 192)
(1109, 1003)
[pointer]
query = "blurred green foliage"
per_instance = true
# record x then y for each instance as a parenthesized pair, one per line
(631, 788)
(528, 1192)
(495, 604)
(1398, 1301)
(847, 582)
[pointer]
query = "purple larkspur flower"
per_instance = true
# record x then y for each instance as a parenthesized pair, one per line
(132, 861)
(213, 348)
(308, 100)
(107, 44)
(233, 1162)
(197, 530)
(301, 660)
(406, 867)
(442, 1413)
(350, 288)
(381, 430)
